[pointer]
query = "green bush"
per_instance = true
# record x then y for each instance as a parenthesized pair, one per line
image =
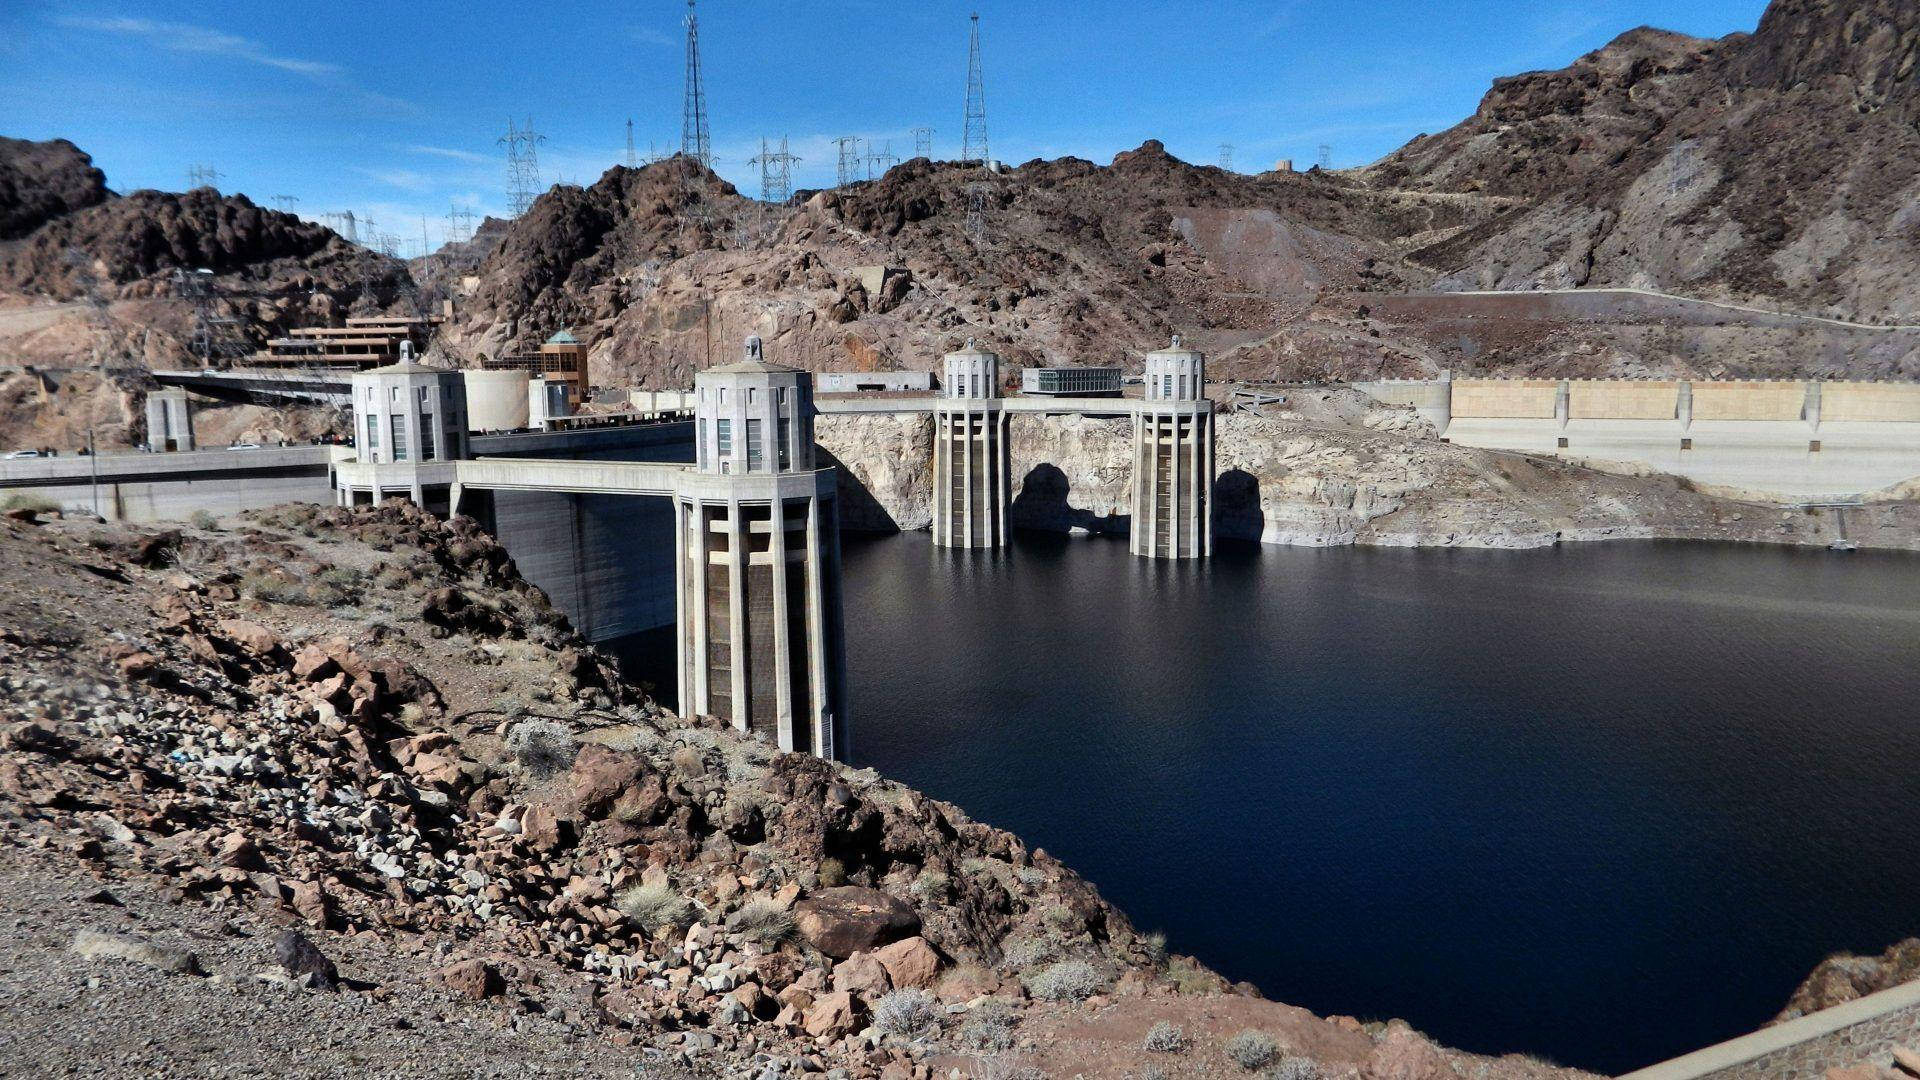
(833, 873)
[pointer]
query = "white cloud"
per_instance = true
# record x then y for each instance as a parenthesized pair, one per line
(180, 37)
(445, 152)
(405, 179)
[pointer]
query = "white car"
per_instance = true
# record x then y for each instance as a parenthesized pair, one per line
(245, 446)
(23, 454)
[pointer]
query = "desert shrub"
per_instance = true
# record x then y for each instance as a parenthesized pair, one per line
(1166, 1038)
(1190, 978)
(542, 748)
(655, 907)
(1156, 946)
(1031, 876)
(274, 589)
(1293, 1068)
(1061, 918)
(1023, 953)
(1068, 980)
(833, 873)
(930, 886)
(37, 503)
(1251, 1049)
(204, 519)
(912, 1014)
(988, 1028)
(761, 920)
(1153, 1072)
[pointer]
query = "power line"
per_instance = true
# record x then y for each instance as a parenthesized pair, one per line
(199, 176)
(977, 192)
(1226, 157)
(1326, 157)
(344, 224)
(285, 203)
(523, 165)
(974, 144)
(459, 224)
(694, 140)
(923, 142)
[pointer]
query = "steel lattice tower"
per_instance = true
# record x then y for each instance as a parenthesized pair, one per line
(849, 159)
(923, 142)
(974, 145)
(1226, 157)
(776, 172)
(523, 166)
(633, 160)
(885, 159)
(694, 141)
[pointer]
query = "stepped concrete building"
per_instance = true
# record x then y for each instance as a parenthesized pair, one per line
(972, 488)
(757, 562)
(1173, 458)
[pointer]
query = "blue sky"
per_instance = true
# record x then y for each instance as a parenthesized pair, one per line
(394, 109)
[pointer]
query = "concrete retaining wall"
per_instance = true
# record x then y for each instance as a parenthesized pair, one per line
(1864, 1030)
(1788, 439)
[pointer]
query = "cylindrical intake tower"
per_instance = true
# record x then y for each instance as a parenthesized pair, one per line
(971, 486)
(1173, 458)
(757, 562)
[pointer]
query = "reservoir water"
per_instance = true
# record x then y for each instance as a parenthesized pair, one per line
(1602, 803)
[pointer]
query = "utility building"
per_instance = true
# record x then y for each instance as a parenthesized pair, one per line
(757, 562)
(972, 488)
(1173, 457)
(410, 426)
(169, 421)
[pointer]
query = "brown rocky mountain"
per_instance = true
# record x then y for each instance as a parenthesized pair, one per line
(1781, 166)
(42, 180)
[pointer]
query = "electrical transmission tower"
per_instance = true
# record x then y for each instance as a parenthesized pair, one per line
(344, 224)
(973, 147)
(285, 203)
(776, 172)
(199, 176)
(694, 140)
(633, 159)
(923, 142)
(523, 165)
(459, 224)
(849, 159)
(885, 159)
(977, 192)
(1325, 160)
(1226, 157)
(213, 340)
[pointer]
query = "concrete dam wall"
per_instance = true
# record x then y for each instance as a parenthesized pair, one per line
(1792, 440)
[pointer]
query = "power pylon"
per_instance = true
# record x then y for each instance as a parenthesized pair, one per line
(973, 146)
(923, 142)
(1226, 157)
(345, 224)
(694, 140)
(285, 203)
(523, 166)
(977, 192)
(849, 159)
(459, 224)
(776, 172)
(633, 160)
(1326, 157)
(199, 176)
(885, 158)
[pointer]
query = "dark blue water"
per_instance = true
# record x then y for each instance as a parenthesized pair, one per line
(1602, 803)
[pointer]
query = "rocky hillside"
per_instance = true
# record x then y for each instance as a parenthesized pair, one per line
(348, 766)
(1781, 166)
(40, 181)
(1845, 977)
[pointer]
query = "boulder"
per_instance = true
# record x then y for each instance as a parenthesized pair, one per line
(833, 1016)
(863, 975)
(474, 980)
(301, 958)
(602, 776)
(911, 963)
(250, 636)
(851, 919)
(542, 828)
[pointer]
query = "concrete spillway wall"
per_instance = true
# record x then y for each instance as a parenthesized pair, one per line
(1789, 439)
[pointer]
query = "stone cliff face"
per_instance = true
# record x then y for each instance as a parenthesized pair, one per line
(40, 181)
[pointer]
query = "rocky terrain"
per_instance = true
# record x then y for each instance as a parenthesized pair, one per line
(1845, 977)
(322, 791)
(1331, 467)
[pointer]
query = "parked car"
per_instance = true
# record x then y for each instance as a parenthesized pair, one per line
(23, 454)
(244, 446)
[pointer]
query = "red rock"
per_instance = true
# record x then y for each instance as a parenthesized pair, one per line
(474, 980)
(251, 636)
(240, 853)
(911, 963)
(861, 974)
(541, 828)
(311, 901)
(833, 1015)
(313, 664)
(849, 919)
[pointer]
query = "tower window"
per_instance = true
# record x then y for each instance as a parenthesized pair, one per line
(755, 450)
(723, 437)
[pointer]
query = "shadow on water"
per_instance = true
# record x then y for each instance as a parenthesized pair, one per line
(1044, 503)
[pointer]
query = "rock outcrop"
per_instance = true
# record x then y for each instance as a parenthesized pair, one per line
(40, 181)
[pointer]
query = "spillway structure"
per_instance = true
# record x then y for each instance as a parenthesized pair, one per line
(972, 485)
(1173, 457)
(757, 562)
